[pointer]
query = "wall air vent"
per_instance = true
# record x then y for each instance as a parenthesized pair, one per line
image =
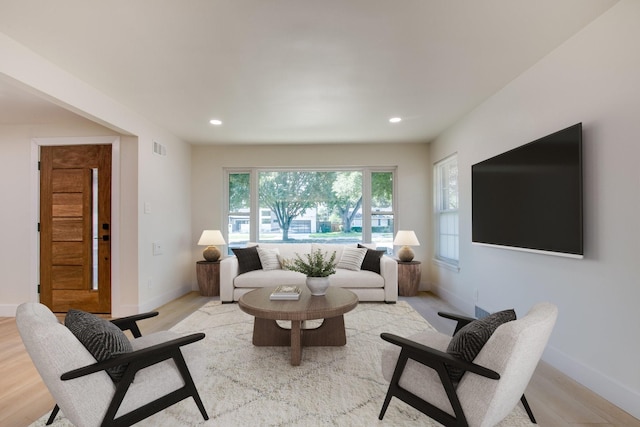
(159, 149)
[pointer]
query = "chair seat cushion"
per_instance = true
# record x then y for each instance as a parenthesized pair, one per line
(469, 340)
(417, 378)
(157, 380)
(430, 338)
(103, 339)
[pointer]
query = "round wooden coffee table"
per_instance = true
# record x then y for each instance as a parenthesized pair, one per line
(330, 307)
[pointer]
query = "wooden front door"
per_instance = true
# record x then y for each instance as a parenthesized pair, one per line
(75, 223)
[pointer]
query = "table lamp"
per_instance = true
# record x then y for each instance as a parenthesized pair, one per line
(211, 238)
(406, 238)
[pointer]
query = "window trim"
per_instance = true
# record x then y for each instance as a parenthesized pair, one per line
(254, 173)
(449, 263)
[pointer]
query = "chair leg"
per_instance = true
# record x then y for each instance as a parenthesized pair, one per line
(53, 415)
(528, 409)
(191, 386)
(385, 405)
(395, 380)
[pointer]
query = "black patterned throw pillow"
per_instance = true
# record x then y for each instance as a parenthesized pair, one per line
(248, 259)
(101, 338)
(371, 259)
(469, 340)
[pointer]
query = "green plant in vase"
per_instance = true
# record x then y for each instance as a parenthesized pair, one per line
(317, 266)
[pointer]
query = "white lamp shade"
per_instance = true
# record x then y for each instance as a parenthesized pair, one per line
(406, 238)
(211, 238)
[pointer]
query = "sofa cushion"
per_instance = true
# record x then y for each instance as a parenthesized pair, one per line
(264, 278)
(351, 258)
(356, 279)
(103, 339)
(371, 260)
(269, 258)
(469, 340)
(342, 278)
(248, 259)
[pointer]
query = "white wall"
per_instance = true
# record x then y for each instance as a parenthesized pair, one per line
(147, 281)
(165, 186)
(593, 79)
(413, 178)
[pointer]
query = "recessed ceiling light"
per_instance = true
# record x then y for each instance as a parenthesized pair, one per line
(215, 122)
(395, 120)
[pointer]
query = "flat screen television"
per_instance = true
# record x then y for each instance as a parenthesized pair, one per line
(530, 198)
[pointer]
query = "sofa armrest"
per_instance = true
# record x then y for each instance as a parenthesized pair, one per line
(389, 272)
(228, 272)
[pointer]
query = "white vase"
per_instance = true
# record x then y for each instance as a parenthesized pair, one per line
(318, 285)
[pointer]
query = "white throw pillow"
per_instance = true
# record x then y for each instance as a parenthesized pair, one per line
(269, 258)
(352, 258)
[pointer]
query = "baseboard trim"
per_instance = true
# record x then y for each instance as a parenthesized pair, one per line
(466, 307)
(608, 388)
(8, 310)
(161, 300)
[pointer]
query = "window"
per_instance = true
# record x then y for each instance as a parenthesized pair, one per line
(382, 214)
(239, 208)
(446, 210)
(310, 206)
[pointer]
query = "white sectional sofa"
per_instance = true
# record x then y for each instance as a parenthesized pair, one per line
(368, 285)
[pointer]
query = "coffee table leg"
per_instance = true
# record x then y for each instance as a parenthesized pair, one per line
(330, 333)
(267, 332)
(296, 345)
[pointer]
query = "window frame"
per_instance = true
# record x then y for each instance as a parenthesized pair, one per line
(439, 187)
(254, 216)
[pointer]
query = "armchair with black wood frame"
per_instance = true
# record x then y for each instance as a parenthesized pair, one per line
(422, 373)
(82, 387)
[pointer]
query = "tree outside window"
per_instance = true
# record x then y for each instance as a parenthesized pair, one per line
(311, 205)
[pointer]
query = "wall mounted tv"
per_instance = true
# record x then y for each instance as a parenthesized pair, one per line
(530, 198)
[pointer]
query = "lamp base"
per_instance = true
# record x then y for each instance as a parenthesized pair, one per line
(405, 254)
(211, 253)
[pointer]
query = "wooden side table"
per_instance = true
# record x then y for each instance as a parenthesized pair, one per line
(409, 278)
(208, 273)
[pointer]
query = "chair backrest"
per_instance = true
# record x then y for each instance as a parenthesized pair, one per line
(513, 351)
(54, 350)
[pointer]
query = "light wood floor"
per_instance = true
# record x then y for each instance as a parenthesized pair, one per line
(555, 399)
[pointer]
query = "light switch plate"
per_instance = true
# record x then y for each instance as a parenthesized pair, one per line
(157, 248)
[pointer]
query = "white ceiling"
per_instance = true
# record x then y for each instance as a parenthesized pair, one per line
(292, 71)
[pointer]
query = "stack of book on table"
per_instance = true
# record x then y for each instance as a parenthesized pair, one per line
(285, 292)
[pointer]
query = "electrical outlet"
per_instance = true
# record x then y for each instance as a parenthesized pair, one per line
(149, 283)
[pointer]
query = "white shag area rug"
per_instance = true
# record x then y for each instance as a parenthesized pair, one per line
(242, 385)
